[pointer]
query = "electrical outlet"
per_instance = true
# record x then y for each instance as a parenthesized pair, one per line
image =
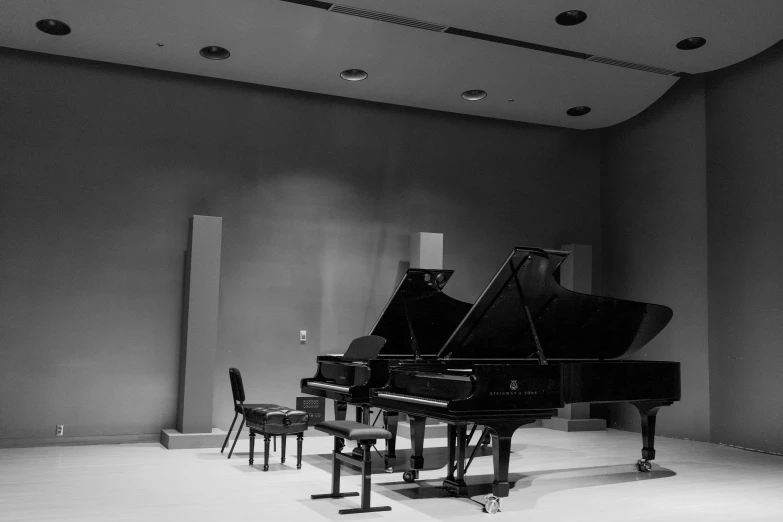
(302, 336)
(58, 431)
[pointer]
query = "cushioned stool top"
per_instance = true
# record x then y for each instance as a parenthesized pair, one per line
(248, 407)
(276, 415)
(352, 430)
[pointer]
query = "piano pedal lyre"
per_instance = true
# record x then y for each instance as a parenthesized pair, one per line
(492, 504)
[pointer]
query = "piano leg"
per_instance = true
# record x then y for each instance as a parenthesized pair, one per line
(647, 411)
(390, 419)
(340, 410)
(501, 452)
(417, 448)
(451, 435)
(363, 416)
(456, 442)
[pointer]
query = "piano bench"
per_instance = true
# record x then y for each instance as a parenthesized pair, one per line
(366, 436)
(272, 420)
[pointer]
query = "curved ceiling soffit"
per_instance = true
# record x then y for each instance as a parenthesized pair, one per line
(305, 44)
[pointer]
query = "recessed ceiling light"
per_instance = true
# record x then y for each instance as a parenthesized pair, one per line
(573, 17)
(353, 75)
(53, 27)
(160, 44)
(694, 42)
(579, 110)
(213, 52)
(474, 95)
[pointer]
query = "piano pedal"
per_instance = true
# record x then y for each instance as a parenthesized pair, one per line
(492, 504)
(644, 465)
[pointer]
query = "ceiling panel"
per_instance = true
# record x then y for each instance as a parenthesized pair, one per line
(287, 45)
(639, 31)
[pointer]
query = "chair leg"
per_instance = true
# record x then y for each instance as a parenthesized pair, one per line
(299, 450)
(252, 445)
(229, 432)
(274, 443)
(282, 448)
(241, 425)
(266, 452)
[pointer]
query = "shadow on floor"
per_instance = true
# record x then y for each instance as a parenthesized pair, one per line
(526, 489)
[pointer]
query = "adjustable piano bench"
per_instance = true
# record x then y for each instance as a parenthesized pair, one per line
(276, 420)
(366, 436)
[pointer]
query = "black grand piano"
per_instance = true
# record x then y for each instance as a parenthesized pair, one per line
(414, 324)
(527, 347)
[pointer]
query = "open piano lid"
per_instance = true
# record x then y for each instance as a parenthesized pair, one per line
(569, 325)
(419, 317)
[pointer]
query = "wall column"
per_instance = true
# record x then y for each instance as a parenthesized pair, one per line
(199, 338)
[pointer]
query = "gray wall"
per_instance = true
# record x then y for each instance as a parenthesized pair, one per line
(101, 166)
(654, 230)
(745, 209)
(691, 217)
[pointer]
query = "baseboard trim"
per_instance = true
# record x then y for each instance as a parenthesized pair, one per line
(80, 441)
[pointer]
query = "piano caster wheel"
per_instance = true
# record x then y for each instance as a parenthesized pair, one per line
(408, 476)
(644, 465)
(491, 504)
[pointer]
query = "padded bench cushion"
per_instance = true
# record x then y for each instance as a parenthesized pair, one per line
(248, 407)
(271, 416)
(352, 430)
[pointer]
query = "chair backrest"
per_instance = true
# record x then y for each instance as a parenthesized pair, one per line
(237, 389)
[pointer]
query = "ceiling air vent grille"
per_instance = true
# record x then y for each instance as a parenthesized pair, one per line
(389, 18)
(631, 65)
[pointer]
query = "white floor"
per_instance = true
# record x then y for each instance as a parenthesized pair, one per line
(556, 476)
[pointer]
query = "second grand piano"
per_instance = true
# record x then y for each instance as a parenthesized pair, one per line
(413, 325)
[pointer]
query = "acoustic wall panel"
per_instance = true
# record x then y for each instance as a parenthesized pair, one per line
(199, 329)
(427, 250)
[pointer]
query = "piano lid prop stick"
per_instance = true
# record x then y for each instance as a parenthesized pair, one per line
(539, 349)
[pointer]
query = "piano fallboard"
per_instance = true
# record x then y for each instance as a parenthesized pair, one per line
(348, 380)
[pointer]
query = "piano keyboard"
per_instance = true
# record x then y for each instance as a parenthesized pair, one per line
(327, 386)
(413, 399)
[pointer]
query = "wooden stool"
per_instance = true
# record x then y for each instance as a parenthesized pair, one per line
(276, 420)
(366, 436)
